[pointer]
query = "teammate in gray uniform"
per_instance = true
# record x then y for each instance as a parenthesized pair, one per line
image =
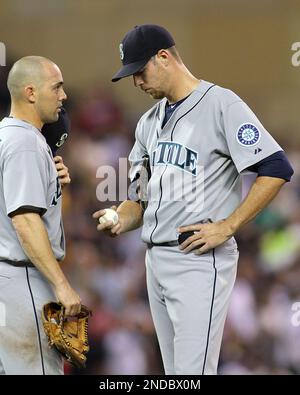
(31, 234)
(199, 137)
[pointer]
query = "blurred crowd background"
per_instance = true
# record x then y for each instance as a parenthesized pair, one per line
(244, 46)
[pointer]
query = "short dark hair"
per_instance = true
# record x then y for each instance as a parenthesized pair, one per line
(173, 51)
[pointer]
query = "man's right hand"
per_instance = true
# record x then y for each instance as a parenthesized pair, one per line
(108, 227)
(68, 298)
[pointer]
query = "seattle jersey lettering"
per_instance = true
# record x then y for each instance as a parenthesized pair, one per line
(57, 194)
(168, 152)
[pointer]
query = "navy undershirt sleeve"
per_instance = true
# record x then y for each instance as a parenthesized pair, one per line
(276, 165)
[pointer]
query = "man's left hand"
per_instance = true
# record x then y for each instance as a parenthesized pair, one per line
(62, 171)
(206, 237)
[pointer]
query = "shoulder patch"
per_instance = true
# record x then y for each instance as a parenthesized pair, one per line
(248, 135)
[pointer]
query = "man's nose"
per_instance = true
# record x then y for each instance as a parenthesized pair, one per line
(64, 95)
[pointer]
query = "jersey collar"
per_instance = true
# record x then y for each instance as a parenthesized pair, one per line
(11, 121)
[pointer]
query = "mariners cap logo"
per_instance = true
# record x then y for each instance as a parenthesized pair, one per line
(248, 134)
(121, 51)
(62, 140)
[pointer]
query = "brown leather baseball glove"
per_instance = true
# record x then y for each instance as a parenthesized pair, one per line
(68, 334)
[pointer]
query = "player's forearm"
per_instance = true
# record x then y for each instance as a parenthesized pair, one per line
(34, 240)
(260, 195)
(132, 215)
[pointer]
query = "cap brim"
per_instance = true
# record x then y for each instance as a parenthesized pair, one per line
(129, 69)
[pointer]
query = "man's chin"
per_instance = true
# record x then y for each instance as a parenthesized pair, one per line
(156, 95)
(53, 119)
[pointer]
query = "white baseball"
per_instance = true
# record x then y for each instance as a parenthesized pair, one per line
(110, 215)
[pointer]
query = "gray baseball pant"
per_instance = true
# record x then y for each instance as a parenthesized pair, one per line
(24, 347)
(189, 297)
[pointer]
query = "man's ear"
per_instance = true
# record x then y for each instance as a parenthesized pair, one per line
(30, 93)
(163, 56)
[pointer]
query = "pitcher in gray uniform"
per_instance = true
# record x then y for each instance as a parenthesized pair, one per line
(31, 233)
(199, 138)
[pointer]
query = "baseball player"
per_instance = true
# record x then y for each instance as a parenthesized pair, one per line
(199, 138)
(31, 234)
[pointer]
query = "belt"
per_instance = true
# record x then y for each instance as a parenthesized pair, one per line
(166, 244)
(174, 243)
(18, 263)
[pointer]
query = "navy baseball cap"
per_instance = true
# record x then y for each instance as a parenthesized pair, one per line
(56, 133)
(139, 45)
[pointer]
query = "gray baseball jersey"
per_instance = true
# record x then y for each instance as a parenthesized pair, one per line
(197, 158)
(28, 179)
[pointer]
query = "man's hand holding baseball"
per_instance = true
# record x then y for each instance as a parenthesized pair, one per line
(130, 217)
(108, 227)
